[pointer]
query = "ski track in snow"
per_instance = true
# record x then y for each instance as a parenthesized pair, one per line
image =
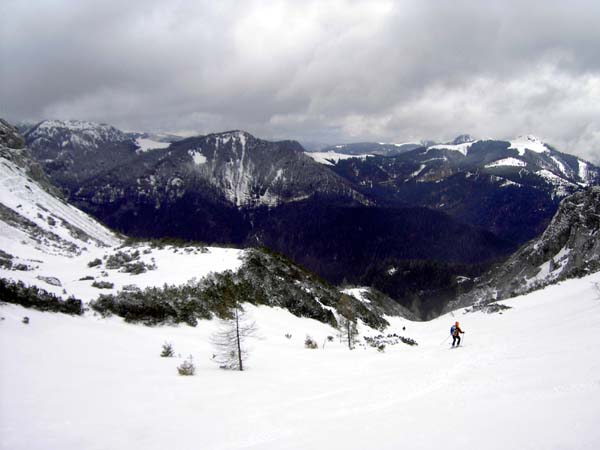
(528, 378)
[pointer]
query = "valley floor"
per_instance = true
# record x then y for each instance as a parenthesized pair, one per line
(528, 378)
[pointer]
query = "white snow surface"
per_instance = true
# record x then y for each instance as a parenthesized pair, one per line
(556, 180)
(331, 158)
(25, 197)
(460, 148)
(526, 379)
(584, 171)
(560, 165)
(145, 144)
(507, 162)
(523, 143)
(199, 158)
(358, 293)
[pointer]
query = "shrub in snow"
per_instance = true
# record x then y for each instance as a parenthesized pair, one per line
(53, 281)
(25, 320)
(310, 342)
(103, 285)
(288, 335)
(95, 262)
(34, 297)
(329, 338)
(390, 339)
(167, 350)
(6, 260)
(381, 348)
(87, 278)
(187, 367)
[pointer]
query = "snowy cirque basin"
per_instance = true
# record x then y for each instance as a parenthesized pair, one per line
(525, 379)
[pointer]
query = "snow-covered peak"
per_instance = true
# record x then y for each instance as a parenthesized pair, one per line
(77, 133)
(72, 125)
(529, 142)
(463, 139)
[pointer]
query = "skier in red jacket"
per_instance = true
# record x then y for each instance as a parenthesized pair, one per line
(456, 331)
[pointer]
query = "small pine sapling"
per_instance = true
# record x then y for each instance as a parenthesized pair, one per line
(167, 350)
(229, 340)
(348, 328)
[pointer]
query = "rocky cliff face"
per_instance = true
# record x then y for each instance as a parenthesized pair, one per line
(9, 136)
(251, 172)
(570, 247)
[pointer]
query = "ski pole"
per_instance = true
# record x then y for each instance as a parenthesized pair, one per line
(445, 340)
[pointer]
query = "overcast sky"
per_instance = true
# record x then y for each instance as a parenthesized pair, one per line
(324, 71)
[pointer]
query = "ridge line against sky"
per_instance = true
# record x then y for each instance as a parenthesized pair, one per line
(318, 71)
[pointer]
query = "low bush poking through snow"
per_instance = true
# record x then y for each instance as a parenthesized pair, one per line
(167, 350)
(309, 342)
(25, 320)
(103, 285)
(187, 367)
(380, 342)
(490, 308)
(96, 262)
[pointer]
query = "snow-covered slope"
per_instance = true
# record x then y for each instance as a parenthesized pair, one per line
(47, 242)
(526, 379)
(330, 158)
(146, 144)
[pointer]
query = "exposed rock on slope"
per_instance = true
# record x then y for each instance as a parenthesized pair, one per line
(570, 247)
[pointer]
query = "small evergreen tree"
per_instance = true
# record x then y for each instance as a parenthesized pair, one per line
(167, 350)
(229, 340)
(347, 322)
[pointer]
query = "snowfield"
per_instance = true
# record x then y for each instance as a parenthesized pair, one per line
(331, 158)
(525, 379)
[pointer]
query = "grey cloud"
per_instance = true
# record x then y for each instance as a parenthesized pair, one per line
(319, 71)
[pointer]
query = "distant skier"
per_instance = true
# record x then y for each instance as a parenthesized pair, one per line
(455, 331)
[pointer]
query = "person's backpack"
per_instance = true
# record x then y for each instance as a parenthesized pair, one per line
(452, 330)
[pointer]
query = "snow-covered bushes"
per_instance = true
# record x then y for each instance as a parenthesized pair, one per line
(390, 339)
(263, 279)
(187, 367)
(128, 262)
(34, 297)
(103, 285)
(310, 343)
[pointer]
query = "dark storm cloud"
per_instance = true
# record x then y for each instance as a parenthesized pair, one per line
(316, 70)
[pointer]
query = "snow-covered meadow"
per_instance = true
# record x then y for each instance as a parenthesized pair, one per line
(528, 378)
